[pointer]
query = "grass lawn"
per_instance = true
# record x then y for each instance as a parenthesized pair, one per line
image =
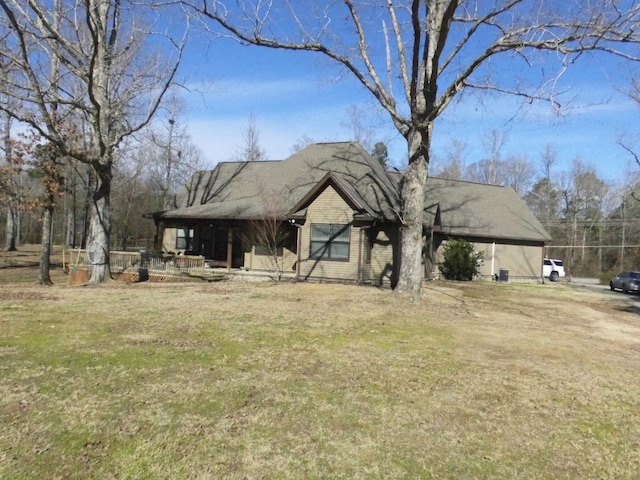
(262, 380)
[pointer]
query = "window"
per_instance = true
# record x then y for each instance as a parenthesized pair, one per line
(184, 239)
(330, 241)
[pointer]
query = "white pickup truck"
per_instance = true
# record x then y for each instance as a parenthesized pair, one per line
(553, 269)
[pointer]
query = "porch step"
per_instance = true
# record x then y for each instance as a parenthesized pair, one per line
(214, 276)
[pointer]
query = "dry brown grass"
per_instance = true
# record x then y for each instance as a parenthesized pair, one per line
(20, 265)
(238, 380)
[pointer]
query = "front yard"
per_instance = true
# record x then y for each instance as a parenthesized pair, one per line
(243, 380)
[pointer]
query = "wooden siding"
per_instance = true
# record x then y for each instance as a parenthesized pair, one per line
(380, 270)
(523, 261)
(329, 207)
(254, 261)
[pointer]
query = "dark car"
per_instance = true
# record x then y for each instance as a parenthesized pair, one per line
(626, 281)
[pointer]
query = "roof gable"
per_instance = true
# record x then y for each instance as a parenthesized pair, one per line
(348, 194)
(359, 175)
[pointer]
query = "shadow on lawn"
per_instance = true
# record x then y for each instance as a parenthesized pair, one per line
(630, 307)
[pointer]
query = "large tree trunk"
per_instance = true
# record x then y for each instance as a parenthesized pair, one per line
(12, 225)
(45, 250)
(70, 229)
(11, 230)
(86, 208)
(100, 226)
(410, 276)
(70, 238)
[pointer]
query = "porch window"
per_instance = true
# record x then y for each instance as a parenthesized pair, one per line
(330, 241)
(184, 239)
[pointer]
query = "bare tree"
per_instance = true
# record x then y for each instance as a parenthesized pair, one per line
(491, 169)
(271, 233)
(454, 164)
(629, 142)
(268, 236)
(95, 60)
(544, 197)
(548, 190)
(128, 192)
(515, 171)
(251, 151)
(519, 173)
(432, 51)
(169, 154)
(548, 160)
(8, 186)
(302, 142)
(583, 194)
(43, 167)
(359, 131)
(9, 182)
(49, 166)
(544, 201)
(634, 90)
(69, 206)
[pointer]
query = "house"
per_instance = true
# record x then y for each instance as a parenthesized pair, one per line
(494, 218)
(331, 212)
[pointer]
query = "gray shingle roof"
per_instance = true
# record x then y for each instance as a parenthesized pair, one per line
(254, 190)
(245, 190)
(475, 209)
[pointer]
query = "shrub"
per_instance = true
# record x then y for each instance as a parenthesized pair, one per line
(461, 262)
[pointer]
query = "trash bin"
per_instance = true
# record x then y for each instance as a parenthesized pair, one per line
(504, 275)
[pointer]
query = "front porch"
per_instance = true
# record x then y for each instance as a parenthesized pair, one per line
(157, 267)
(262, 246)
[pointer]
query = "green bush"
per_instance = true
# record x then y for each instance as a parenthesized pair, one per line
(461, 262)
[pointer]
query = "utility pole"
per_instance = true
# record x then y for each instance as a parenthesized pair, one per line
(623, 239)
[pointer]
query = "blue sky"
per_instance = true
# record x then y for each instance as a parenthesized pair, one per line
(294, 94)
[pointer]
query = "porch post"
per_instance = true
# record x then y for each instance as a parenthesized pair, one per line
(229, 248)
(298, 248)
(360, 259)
(493, 259)
(159, 238)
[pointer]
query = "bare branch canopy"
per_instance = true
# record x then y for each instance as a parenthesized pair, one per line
(88, 73)
(428, 52)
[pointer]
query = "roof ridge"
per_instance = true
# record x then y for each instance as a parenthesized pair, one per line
(472, 182)
(335, 143)
(228, 162)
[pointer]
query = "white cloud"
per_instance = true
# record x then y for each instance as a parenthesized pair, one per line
(288, 109)
(221, 138)
(233, 93)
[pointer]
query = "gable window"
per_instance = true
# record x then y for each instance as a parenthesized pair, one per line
(184, 239)
(330, 241)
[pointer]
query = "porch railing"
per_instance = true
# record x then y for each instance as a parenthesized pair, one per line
(152, 262)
